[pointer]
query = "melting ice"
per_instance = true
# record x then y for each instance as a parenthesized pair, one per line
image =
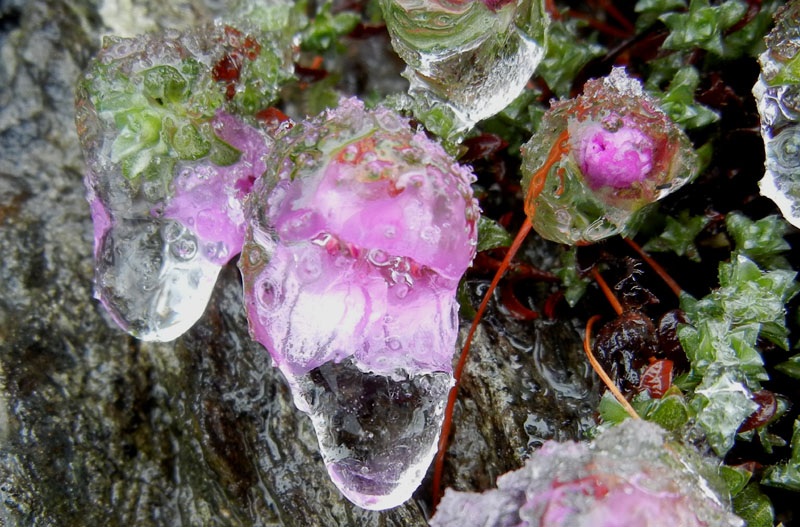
(630, 476)
(357, 236)
(473, 57)
(777, 93)
(167, 171)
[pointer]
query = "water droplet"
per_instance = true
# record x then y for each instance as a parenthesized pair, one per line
(378, 258)
(184, 249)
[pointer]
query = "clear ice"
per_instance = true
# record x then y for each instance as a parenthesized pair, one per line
(777, 93)
(630, 476)
(356, 238)
(473, 57)
(168, 169)
(602, 156)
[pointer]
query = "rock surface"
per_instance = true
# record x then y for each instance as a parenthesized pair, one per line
(97, 428)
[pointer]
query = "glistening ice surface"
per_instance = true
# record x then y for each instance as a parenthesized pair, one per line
(630, 476)
(168, 168)
(599, 158)
(357, 236)
(473, 57)
(777, 93)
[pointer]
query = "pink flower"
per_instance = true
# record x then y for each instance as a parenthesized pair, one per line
(612, 158)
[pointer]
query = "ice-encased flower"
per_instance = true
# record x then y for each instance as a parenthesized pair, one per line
(599, 158)
(357, 236)
(168, 167)
(630, 476)
(469, 58)
(777, 93)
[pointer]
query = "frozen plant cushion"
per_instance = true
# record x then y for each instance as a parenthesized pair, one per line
(357, 236)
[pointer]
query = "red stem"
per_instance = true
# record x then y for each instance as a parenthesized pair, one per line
(451, 400)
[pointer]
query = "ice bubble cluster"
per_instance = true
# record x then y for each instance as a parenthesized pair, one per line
(630, 476)
(777, 93)
(599, 158)
(356, 238)
(168, 167)
(472, 57)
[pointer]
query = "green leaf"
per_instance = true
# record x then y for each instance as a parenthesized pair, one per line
(786, 475)
(492, 235)
(722, 402)
(671, 411)
(466, 309)
(791, 367)
(678, 101)
(610, 409)
(702, 26)
(573, 283)
(760, 240)
(735, 478)
(164, 83)
(678, 236)
(749, 40)
(754, 507)
(223, 154)
(326, 28)
(567, 53)
(189, 144)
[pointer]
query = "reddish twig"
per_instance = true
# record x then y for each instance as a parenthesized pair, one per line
(451, 400)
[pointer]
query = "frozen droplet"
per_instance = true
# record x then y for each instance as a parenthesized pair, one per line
(357, 331)
(166, 209)
(473, 57)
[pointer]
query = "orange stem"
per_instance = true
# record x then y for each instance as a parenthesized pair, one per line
(538, 179)
(451, 400)
(535, 187)
(660, 271)
(612, 299)
(587, 347)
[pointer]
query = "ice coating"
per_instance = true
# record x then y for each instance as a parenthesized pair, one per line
(603, 156)
(472, 57)
(167, 171)
(630, 476)
(777, 94)
(357, 236)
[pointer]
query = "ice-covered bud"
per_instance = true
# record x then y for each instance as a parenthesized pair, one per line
(612, 158)
(630, 476)
(168, 167)
(599, 158)
(357, 236)
(468, 59)
(777, 93)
